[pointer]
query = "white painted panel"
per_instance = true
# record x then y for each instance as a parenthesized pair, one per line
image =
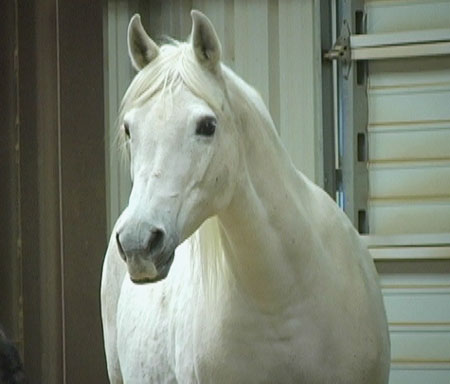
(406, 15)
(401, 51)
(124, 75)
(418, 105)
(221, 14)
(416, 253)
(399, 38)
(407, 180)
(413, 306)
(416, 345)
(119, 74)
(411, 375)
(420, 142)
(251, 32)
(409, 72)
(409, 217)
(423, 279)
(300, 60)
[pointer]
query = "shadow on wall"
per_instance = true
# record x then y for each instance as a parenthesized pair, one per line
(11, 367)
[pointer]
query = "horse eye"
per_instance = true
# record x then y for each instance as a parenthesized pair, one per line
(206, 126)
(126, 129)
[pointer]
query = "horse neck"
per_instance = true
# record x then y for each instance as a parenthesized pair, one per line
(265, 234)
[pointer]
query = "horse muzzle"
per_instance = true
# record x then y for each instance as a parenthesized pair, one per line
(148, 252)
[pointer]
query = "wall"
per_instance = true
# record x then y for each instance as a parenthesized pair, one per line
(53, 231)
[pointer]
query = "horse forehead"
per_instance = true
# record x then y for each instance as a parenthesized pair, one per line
(172, 109)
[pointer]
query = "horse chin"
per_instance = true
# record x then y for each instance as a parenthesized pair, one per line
(161, 273)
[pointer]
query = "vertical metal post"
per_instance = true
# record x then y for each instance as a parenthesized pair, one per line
(353, 117)
(329, 163)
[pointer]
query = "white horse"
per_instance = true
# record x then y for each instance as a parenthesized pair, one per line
(271, 283)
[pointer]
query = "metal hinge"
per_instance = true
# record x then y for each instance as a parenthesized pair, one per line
(341, 50)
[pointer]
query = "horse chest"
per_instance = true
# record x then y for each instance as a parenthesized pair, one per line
(237, 345)
(166, 343)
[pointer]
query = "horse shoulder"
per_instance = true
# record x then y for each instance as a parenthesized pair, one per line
(350, 278)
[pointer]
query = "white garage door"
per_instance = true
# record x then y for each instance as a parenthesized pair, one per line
(409, 182)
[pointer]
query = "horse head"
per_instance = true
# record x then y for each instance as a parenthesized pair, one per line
(183, 146)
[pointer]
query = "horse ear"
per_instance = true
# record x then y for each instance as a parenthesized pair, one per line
(205, 41)
(141, 48)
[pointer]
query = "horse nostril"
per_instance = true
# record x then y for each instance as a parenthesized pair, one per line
(132, 242)
(119, 246)
(155, 240)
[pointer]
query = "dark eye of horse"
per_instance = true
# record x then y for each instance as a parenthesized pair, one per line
(206, 126)
(126, 129)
